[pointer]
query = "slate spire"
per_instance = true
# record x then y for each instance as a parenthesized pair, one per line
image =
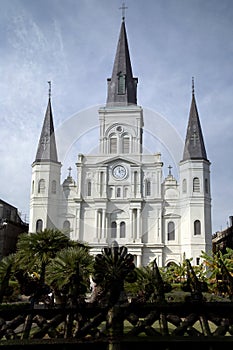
(47, 150)
(194, 143)
(122, 86)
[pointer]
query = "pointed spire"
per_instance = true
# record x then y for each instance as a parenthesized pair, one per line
(47, 150)
(194, 144)
(122, 86)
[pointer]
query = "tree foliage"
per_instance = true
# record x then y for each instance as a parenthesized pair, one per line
(69, 273)
(49, 261)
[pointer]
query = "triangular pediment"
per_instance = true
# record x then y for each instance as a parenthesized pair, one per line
(119, 159)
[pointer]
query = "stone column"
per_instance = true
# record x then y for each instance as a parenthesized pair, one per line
(96, 224)
(77, 225)
(138, 233)
(103, 233)
(139, 260)
(131, 224)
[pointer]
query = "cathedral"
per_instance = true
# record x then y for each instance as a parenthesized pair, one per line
(120, 194)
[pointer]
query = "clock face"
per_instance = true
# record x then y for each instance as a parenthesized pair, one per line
(119, 172)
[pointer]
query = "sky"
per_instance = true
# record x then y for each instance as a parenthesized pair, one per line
(72, 43)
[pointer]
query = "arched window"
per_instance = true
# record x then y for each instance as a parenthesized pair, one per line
(33, 185)
(125, 144)
(171, 231)
(41, 186)
(197, 227)
(66, 226)
(148, 188)
(118, 193)
(89, 188)
(54, 187)
(113, 144)
(113, 229)
(184, 186)
(122, 229)
(39, 225)
(196, 184)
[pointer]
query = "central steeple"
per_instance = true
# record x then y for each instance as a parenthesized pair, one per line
(122, 86)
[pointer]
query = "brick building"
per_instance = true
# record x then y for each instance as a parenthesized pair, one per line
(223, 239)
(11, 225)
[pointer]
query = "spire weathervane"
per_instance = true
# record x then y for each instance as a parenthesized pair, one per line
(49, 82)
(123, 8)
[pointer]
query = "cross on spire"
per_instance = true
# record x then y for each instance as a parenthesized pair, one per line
(194, 138)
(44, 141)
(69, 169)
(49, 82)
(170, 170)
(193, 90)
(123, 8)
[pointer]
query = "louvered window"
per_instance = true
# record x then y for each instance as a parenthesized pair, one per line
(196, 184)
(121, 84)
(125, 144)
(113, 145)
(148, 188)
(41, 186)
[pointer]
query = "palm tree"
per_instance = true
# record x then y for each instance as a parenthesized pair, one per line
(34, 253)
(150, 286)
(69, 277)
(69, 273)
(214, 263)
(36, 250)
(6, 266)
(112, 269)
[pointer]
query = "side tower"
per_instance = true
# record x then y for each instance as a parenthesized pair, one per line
(46, 170)
(195, 196)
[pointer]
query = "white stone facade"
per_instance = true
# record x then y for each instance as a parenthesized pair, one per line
(154, 217)
(120, 193)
